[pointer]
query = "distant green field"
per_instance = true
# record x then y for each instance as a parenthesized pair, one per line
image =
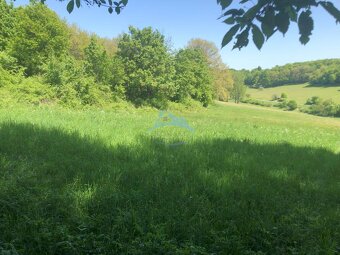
(248, 180)
(300, 93)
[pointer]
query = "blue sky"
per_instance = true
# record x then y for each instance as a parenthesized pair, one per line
(182, 20)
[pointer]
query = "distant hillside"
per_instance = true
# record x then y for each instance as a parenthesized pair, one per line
(320, 72)
(300, 93)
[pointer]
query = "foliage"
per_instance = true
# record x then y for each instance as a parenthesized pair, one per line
(291, 105)
(271, 16)
(97, 62)
(33, 42)
(222, 84)
(239, 89)
(324, 108)
(148, 66)
(32, 90)
(259, 102)
(313, 100)
(193, 78)
(7, 23)
(210, 50)
(321, 72)
(62, 70)
(10, 72)
(222, 76)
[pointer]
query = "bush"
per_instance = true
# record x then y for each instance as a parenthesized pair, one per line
(325, 108)
(291, 105)
(10, 72)
(313, 100)
(32, 91)
(283, 103)
(284, 95)
(259, 102)
(63, 70)
(275, 97)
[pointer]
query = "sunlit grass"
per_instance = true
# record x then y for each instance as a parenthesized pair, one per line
(246, 181)
(300, 93)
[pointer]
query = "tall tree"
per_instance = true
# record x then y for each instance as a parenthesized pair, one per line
(210, 50)
(148, 65)
(97, 62)
(7, 23)
(39, 33)
(222, 76)
(239, 89)
(193, 77)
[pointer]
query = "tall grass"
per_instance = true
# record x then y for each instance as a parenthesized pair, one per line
(247, 181)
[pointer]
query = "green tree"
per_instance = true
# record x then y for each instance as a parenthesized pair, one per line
(7, 23)
(97, 62)
(222, 76)
(39, 33)
(239, 89)
(148, 66)
(193, 77)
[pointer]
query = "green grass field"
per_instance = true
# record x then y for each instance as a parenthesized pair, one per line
(300, 93)
(247, 181)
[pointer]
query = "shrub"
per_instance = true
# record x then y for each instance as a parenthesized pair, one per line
(10, 72)
(284, 95)
(32, 91)
(275, 97)
(63, 70)
(291, 105)
(313, 100)
(325, 108)
(283, 103)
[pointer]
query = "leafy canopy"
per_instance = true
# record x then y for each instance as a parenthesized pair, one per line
(267, 17)
(261, 18)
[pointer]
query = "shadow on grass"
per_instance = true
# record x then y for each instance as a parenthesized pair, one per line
(61, 193)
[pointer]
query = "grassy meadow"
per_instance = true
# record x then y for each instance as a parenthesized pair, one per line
(300, 93)
(247, 181)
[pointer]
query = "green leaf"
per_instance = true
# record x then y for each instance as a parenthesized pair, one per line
(110, 2)
(117, 10)
(306, 26)
(242, 39)
(224, 3)
(282, 22)
(229, 35)
(251, 13)
(110, 10)
(70, 6)
(268, 23)
(229, 21)
(124, 2)
(78, 3)
(331, 9)
(258, 37)
(292, 13)
(232, 12)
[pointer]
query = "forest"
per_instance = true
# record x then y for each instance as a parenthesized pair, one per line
(320, 72)
(58, 63)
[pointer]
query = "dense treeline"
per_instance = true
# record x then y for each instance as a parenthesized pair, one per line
(321, 72)
(43, 59)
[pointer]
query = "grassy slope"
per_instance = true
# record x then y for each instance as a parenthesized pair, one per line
(248, 181)
(300, 93)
